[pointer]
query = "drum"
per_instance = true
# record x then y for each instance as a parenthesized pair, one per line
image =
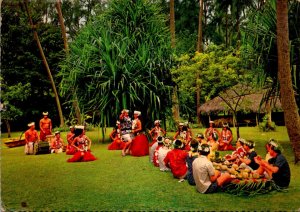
(42, 147)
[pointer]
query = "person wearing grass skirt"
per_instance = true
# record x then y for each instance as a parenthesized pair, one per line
(115, 135)
(140, 144)
(156, 131)
(83, 147)
(58, 144)
(70, 137)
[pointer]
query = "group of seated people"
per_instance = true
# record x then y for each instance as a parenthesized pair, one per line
(195, 163)
(78, 145)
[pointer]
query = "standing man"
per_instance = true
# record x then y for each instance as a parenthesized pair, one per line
(45, 126)
(31, 136)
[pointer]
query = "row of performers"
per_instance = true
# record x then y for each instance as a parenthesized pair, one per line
(79, 145)
(197, 168)
(127, 135)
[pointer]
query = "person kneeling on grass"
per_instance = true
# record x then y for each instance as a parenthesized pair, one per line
(83, 147)
(277, 168)
(175, 160)
(31, 139)
(58, 144)
(207, 179)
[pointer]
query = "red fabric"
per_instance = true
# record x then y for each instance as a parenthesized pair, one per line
(82, 156)
(70, 150)
(187, 147)
(140, 146)
(175, 160)
(155, 156)
(43, 135)
(31, 136)
(117, 144)
(226, 147)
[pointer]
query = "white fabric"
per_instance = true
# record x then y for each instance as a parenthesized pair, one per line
(151, 152)
(162, 153)
(202, 171)
(29, 148)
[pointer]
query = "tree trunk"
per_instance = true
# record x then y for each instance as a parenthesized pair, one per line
(64, 36)
(287, 96)
(172, 23)
(226, 31)
(175, 105)
(8, 128)
(235, 124)
(199, 43)
(36, 37)
(198, 94)
(62, 25)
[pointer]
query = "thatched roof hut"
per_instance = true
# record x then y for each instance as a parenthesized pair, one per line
(250, 103)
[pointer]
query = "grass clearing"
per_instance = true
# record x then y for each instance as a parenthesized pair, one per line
(48, 182)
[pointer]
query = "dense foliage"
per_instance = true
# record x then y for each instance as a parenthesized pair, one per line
(121, 59)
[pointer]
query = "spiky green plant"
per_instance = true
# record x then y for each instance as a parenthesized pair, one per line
(121, 59)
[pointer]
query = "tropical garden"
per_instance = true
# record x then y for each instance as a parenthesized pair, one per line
(86, 60)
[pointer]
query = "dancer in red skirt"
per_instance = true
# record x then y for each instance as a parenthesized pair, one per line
(115, 136)
(156, 131)
(83, 147)
(140, 145)
(70, 137)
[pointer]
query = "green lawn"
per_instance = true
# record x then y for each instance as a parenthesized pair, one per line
(48, 182)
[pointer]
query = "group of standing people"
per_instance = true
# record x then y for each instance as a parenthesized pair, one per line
(128, 135)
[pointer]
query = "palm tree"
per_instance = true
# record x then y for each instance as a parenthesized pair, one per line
(291, 114)
(36, 37)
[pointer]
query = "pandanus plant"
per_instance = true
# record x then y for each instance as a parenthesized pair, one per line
(121, 59)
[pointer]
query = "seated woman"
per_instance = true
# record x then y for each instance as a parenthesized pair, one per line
(277, 168)
(140, 145)
(185, 135)
(193, 154)
(214, 145)
(175, 160)
(83, 147)
(209, 132)
(57, 144)
(226, 139)
(115, 136)
(156, 131)
(240, 152)
(70, 137)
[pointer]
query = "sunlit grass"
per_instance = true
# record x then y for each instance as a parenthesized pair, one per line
(48, 182)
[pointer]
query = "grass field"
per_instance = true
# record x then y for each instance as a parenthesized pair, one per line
(48, 182)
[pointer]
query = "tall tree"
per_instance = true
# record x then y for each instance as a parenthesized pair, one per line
(291, 114)
(172, 23)
(199, 49)
(64, 35)
(36, 37)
